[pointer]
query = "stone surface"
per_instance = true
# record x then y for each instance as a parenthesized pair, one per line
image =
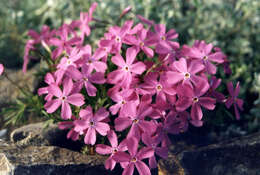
(240, 156)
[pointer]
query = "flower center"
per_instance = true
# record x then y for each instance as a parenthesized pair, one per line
(186, 75)
(91, 123)
(163, 38)
(135, 121)
(118, 39)
(114, 150)
(63, 98)
(123, 102)
(126, 68)
(195, 99)
(89, 61)
(141, 44)
(69, 62)
(85, 79)
(205, 58)
(133, 159)
(159, 87)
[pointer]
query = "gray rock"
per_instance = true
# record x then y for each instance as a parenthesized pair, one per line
(3, 134)
(240, 156)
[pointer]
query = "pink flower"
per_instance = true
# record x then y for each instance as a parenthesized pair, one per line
(86, 78)
(152, 142)
(196, 99)
(112, 150)
(90, 124)
(74, 55)
(123, 74)
(237, 103)
(140, 42)
(185, 73)
(49, 79)
(135, 158)
(161, 88)
(145, 21)
(64, 98)
(93, 61)
(44, 35)
(64, 43)
(69, 125)
(168, 52)
(125, 102)
(137, 121)
(214, 83)
(117, 36)
(1, 69)
(29, 46)
(125, 11)
(202, 51)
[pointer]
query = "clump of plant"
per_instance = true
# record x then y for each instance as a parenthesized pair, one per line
(133, 88)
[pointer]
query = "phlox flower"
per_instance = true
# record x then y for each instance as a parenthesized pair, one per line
(72, 134)
(134, 159)
(123, 74)
(137, 121)
(112, 150)
(153, 143)
(237, 103)
(185, 73)
(48, 79)
(1, 69)
(64, 98)
(86, 78)
(90, 123)
(203, 51)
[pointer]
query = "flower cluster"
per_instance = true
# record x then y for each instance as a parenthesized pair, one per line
(138, 80)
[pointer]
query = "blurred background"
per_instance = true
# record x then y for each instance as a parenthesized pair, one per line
(232, 25)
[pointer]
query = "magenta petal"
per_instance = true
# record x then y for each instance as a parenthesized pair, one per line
(174, 77)
(115, 76)
(237, 89)
(195, 67)
(142, 168)
(207, 102)
(229, 102)
(122, 123)
(80, 125)
(76, 99)
(197, 123)
(236, 112)
(130, 55)
(152, 162)
(102, 128)
(112, 137)
(211, 68)
(129, 170)
(74, 73)
(138, 68)
(148, 51)
(240, 103)
(98, 78)
(145, 152)
(103, 149)
(110, 163)
(55, 90)
(101, 114)
(86, 113)
(67, 86)
(90, 89)
(230, 88)
(65, 111)
(90, 137)
(52, 105)
(132, 145)
(122, 157)
(181, 65)
(99, 53)
(115, 108)
(162, 152)
(43, 90)
(196, 112)
(118, 60)
(100, 66)
(217, 57)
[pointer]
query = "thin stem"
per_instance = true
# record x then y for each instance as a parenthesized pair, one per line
(14, 83)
